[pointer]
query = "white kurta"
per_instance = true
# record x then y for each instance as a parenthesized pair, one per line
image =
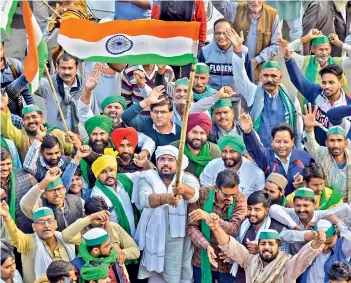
(251, 176)
(177, 250)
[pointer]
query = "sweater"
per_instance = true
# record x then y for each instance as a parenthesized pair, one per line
(265, 158)
(145, 125)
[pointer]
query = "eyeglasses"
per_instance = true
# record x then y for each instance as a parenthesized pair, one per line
(229, 195)
(58, 190)
(163, 112)
(42, 222)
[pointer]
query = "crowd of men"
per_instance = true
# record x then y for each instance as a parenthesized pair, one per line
(264, 190)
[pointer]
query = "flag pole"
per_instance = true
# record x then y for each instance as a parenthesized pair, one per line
(185, 124)
(52, 10)
(55, 98)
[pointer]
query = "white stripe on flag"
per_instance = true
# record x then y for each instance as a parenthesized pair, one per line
(35, 82)
(143, 44)
(37, 30)
(5, 6)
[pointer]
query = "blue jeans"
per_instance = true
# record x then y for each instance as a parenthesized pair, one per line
(220, 277)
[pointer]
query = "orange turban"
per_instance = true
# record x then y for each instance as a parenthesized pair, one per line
(120, 134)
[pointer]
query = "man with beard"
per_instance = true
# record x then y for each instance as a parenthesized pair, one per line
(125, 141)
(15, 183)
(281, 157)
(312, 64)
(314, 178)
(44, 153)
(97, 245)
(229, 204)
(33, 119)
(275, 188)
(116, 190)
(329, 94)
(161, 230)
(51, 192)
(257, 220)
(69, 87)
(269, 102)
(232, 159)
(38, 250)
(335, 157)
(197, 148)
(113, 107)
(270, 265)
(337, 248)
(11, 70)
(302, 218)
(97, 216)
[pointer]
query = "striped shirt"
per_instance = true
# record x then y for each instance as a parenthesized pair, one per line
(130, 90)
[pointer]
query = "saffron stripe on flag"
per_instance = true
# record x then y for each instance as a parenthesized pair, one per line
(37, 49)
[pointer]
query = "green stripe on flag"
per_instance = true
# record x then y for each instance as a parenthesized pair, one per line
(10, 14)
(42, 57)
(145, 59)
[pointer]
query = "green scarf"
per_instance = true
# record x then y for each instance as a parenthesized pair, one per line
(86, 256)
(334, 199)
(4, 144)
(208, 92)
(206, 276)
(201, 160)
(290, 111)
(119, 210)
(283, 202)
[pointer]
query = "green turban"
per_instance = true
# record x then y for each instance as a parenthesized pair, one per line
(182, 81)
(236, 142)
(202, 68)
(54, 184)
(94, 270)
(99, 121)
(271, 64)
(223, 103)
(111, 99)
(337, 130)
(320, 40)
(31, 108)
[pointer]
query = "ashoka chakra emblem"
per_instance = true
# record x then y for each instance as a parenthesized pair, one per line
(118, 44)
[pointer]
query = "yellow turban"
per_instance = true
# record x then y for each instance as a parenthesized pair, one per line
(102, 163)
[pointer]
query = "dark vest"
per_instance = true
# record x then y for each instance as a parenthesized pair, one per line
(72, 211)
(251, 235)
(41, 171)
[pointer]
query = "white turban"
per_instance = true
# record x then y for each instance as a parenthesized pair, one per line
(173, 151)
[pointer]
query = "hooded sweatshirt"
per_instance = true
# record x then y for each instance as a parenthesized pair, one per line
(220, 64)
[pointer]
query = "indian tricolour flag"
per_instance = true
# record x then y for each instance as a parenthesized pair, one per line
(7, 10)
(132, 42)
(37, 50)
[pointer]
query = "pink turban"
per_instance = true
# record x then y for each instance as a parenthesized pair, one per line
(199, 119)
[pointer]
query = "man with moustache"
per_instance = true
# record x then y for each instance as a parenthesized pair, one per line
(270, 264)
(225, 200)
(327, 95)
(33, 119)
(257, 220)
(51, 192)
(116, 190)
(232, 159)
(269, 102)
(302, 217)
(15, 183)
(38, 250)
(334, 157)
(162, 227)
(275, 188)
(97, 216)
(201, 88)
(197, 148)
(125, 141)
(69, 87)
